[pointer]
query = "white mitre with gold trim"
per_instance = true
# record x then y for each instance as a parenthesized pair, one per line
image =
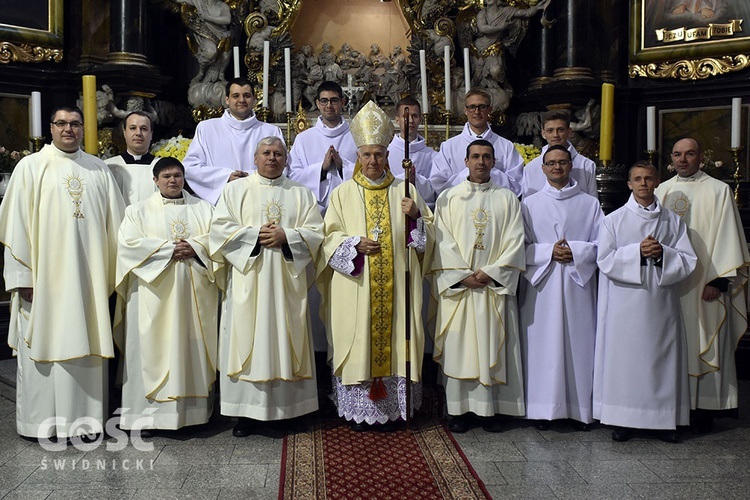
(371, 126)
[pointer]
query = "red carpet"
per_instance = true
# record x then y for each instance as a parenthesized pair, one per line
(333, 462)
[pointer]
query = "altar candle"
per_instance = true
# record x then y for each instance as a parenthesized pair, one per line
(36, 114)
(651, 128)
(607, 122)
(288, 78)
(91, 141)
(467, 75)
(423, 76)
(736, 126)
(447, 65)
(236, 54)
(266, 61)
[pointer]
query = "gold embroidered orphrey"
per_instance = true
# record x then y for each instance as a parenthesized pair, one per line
(274, 211)
(74, 185)
(680, 205)
(179, 229)
(480, 217)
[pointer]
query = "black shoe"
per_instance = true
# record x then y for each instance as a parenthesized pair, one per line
(458, 424)
(142, 433)
(244, 427)
(543, 425)
(360, 427)
(669, 436)
(492, 424)
(702, 422)
(622, 434)
(390, 426)
(580, 426)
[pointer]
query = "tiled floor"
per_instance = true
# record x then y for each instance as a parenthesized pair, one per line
(518, 463)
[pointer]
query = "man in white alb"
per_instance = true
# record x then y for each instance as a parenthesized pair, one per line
(133, 168)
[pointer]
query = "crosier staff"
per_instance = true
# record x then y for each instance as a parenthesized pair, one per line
(407, 166)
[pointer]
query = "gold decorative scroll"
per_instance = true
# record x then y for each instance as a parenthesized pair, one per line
(699, 33)
(691, 69)
(10, 52)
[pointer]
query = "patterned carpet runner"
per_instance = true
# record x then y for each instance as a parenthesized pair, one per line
(333, 462)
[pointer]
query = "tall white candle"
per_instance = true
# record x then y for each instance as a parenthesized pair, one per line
(423, 77)
(736, 124)
(288, 78)
(651, 128)
(36, 114)
(447, 65)
(467, 70)
(266, 62)
(236, 57)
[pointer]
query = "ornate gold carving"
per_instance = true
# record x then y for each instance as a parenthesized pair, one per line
(204, 113)
(691, 69)
(10, 52)
(301, 123)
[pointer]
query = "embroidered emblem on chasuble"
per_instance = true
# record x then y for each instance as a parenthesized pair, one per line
(74, 185)
(480, 217)
(274, 211)
(680, 204)
(179, 229)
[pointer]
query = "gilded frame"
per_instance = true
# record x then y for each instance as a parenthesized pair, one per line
(19, 42)
(687, 46)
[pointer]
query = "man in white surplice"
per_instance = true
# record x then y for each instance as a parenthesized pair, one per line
(558, 296)
(58, 222)
(478, 259)
(268, 229)
(169, 332)
(641, 373)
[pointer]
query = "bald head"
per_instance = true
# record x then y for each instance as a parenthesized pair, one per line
(687, 156)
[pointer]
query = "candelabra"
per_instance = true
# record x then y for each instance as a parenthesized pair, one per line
(37, 143)
(264, 113)
(736, 156)
(289, 116)
(447, 116)
(424, 123)
(651, 155)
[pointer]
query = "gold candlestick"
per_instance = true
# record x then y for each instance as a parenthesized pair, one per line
(289, 116)
(424, 123)
(447, 116)
(37, 143)
(736, 156)
(264, 114)
(651, 154)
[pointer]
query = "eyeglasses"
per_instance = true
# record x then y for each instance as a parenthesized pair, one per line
(562, 163)
(334, 100)
(478, 107)
(62, 125)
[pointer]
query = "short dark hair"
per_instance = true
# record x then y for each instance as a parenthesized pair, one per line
(480, 142)
(557, 147)
(238, 81)
(165, 163)
(138, 113)
(408, 101)
(330, 87)
(67, 109)
(556, 114)
(643, 164)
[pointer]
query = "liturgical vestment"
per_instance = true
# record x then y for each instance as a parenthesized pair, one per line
(558, 303)
(479, 226)
(135, 177)
(712, 329)
(364, 297)
(169, 330)
(641, 376)
(265, 349)
(58, 222)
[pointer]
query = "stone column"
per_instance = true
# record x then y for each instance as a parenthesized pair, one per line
(573, 41)
(545, 40)
(127, 38)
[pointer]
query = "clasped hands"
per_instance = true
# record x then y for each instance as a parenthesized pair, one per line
(182, 250)
(561, 252)
(332, 159)
(650, 247)
(479, 279)
(271, 235)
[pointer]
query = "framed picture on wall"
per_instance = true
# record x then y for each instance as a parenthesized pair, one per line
(711, 127)
(14, 128)
(687, 31)
(32, 22)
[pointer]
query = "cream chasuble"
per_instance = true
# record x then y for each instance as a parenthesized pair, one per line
(713, 329)
(366, 313)
(267, 329)
(172, 305)
(479, 226)
(59, 221)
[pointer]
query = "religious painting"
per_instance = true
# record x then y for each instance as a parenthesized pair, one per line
(32, 22)
(711, 127)
(14, 128)
(668, 30)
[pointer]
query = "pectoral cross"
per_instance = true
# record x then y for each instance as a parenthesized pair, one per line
(376, 232)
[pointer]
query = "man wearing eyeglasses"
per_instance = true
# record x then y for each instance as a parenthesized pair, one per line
(324, 156)
(222, 149)
(449, 169)
(558, 296)
(556, 131)
(58, 222)
(713, 297)
(133, 168)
